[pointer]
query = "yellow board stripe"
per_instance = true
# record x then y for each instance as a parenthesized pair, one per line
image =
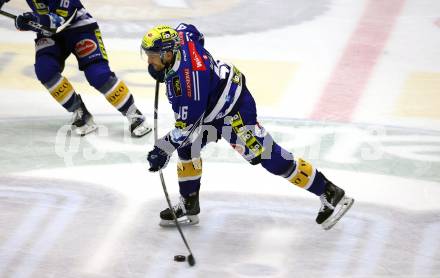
(118, 94)
(302, 174)
(189, 170)
(62, 91)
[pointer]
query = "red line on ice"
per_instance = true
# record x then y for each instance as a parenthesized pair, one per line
(352, 73)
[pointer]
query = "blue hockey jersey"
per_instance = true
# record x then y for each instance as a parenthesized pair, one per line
(200, 89)
(52, 13)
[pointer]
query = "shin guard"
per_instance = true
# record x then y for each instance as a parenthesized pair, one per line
(117, 93)
(62, 91)
(304, 175)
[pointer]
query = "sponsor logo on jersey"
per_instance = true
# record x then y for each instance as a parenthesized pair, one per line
(196, 59)
(187, 82)
(177, 87)
(43, 43)
(184, 55)
(101, 44)
(85, 47)
(246, 135)
(181, 38)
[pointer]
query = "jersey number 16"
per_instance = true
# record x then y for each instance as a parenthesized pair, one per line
(183, 113)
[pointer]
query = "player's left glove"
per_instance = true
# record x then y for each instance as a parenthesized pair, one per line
(158, 159)
(21, 22)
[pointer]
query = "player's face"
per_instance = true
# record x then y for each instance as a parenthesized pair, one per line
(155, 61)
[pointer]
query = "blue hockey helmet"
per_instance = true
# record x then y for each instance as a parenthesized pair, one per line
(160, 39)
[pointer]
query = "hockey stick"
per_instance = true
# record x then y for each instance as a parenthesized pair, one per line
(190, 258)
(41, 27)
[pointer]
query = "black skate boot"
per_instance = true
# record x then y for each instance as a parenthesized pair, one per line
(82, 120)
(334, 204)
(186, 211)
(138, 125)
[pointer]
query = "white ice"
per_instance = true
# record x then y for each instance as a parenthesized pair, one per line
(88, 207)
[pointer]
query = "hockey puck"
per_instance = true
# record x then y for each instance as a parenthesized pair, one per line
(179, 258)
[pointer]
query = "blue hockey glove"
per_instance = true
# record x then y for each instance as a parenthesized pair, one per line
(158, 159)
(21, 22)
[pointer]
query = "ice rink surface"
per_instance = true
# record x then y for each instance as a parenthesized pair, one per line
(352, 86)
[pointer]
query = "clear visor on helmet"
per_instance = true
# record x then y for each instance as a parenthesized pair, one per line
(145, 53)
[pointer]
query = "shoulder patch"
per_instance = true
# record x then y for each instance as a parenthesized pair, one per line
(177, 86)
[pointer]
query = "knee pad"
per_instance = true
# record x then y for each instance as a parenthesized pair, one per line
(188, 170)
(46, 68)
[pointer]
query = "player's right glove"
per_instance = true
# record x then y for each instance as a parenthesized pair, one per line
(158, 159)
(21, 22)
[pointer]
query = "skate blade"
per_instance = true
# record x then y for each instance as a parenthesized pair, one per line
(183, 221)
(342, 207)
(141, 131)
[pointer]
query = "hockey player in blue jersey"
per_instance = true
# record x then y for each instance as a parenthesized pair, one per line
(82, 38)
(211, 101)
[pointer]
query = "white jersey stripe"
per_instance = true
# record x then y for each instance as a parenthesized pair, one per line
(198, 87)
(81, 22)
(223, 98)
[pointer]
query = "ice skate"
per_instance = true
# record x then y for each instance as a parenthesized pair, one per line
(82, 120)
(186, 211)
(138, 125)
(334, 204)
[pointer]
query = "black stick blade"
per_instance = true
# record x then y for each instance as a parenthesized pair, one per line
(191, 260)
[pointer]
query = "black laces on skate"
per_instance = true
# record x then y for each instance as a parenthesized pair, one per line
(325, 203)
